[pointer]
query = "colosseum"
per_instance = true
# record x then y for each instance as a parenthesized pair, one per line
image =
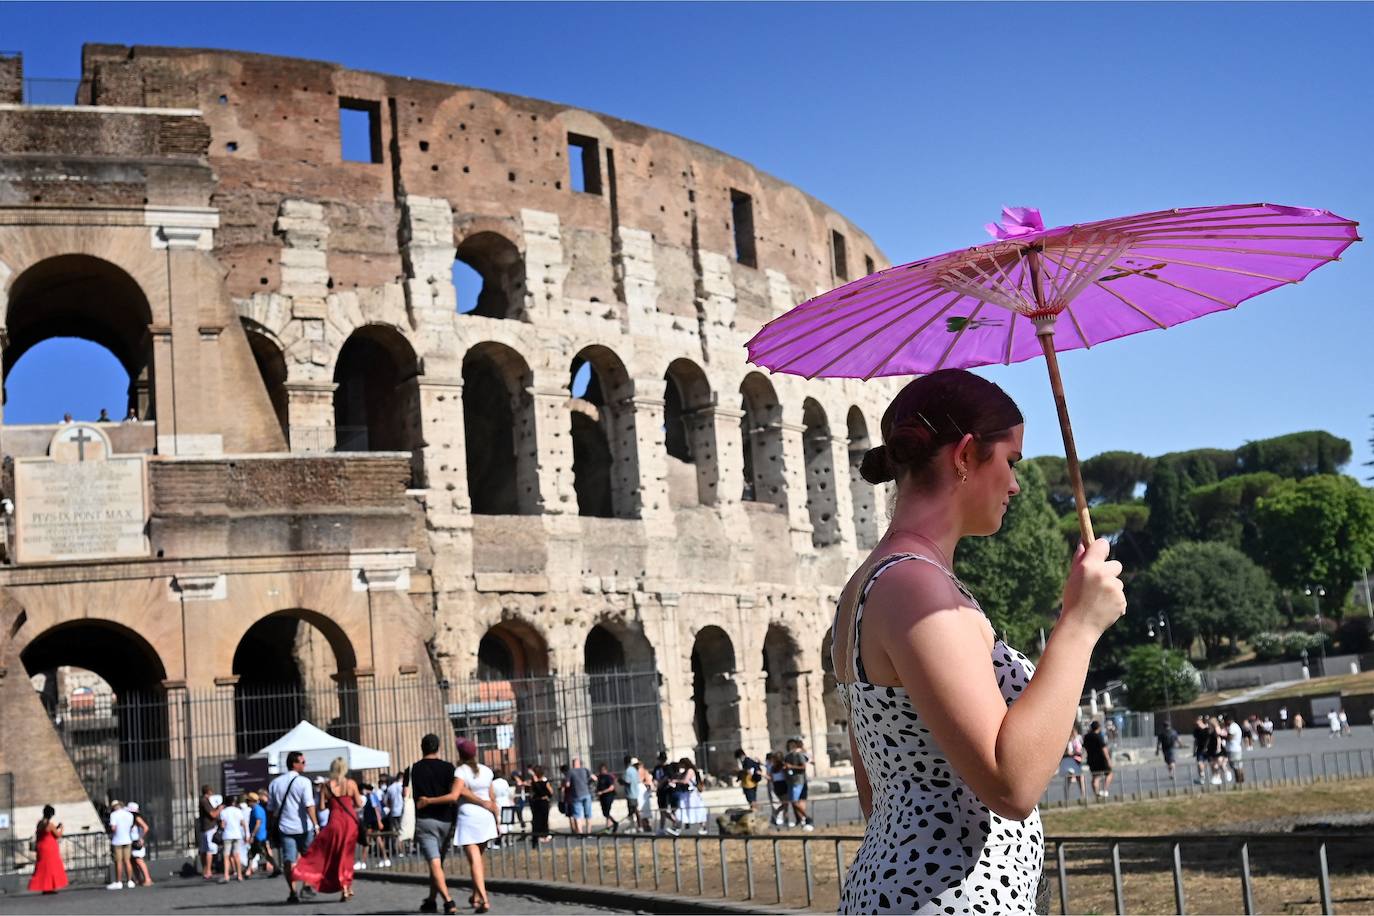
(452, 424)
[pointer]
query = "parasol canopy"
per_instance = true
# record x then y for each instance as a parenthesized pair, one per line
(1036, 291)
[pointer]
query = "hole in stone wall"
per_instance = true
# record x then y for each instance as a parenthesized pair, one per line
(839, 261)
(584, 164)
(424, 146)
(360, 130)
(742, 211)
(869, 266)
(231, 146)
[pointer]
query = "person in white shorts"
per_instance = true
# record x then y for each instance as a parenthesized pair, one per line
(234, 825)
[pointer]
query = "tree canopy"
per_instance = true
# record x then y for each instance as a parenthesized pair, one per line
(1224, 511)
(1316, 531)
(1114, 476)
(1018, 573)
(1209, 591)
(1296, 455)
(1149, 668)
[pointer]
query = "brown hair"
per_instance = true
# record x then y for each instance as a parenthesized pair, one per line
(933, 411)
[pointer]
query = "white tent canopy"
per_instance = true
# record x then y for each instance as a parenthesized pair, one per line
(320, 749)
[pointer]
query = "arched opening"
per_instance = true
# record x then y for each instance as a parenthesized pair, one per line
(501, 269)
(689, 432)
(101, 683)
(761, 438)
(290, 666)
(781, 669)
(622, 692)
(836, 719)
(820, 476)
(511, 650)
(272, 370)
(377, 398)
(498, 424)
(715, 699)
(511, 710)
(66, 375)
(605, 466)
(92, 300)
(862, 493)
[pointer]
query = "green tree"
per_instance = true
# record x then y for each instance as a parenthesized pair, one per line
(1225, 511)
(1149, 668)
(1123, 523)
(1209, 591)
(1316, 531)
(1114, 476)
(1174, 476)
(1296, 455)
(1018, 573)
(1055, 471)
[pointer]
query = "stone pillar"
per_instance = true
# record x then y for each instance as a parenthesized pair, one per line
(545, 270)
(842, 493)
(810, 694)
(181, 756)
(634, 265)
(793, 474)
(646, 454)
(304, 255)
(162, 386)
(552, 438)
(723, 476)
(441, 449)
(310, 413)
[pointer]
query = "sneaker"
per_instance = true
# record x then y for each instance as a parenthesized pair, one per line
(1229, 777)
(386, 863)
(292, 898)
(361, 866)
(131, 883)
(672, 831)
(808, 826)
(115, 886)
(1216, 780)
(777, 820)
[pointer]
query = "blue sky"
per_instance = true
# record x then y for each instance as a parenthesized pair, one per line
(919, 121)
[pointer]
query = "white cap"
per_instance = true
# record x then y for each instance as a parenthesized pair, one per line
(132, 806)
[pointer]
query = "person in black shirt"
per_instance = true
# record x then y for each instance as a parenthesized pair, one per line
(1166, 741)
(605, 794)
(1099, 759)
(432, 777)
(541, 797)
(1200, 737)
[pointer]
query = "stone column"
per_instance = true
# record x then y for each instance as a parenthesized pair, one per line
(441, 449)
(794, 478)
(545, 269)
(843, 493)
(552, 440)
(162, 387)
(647, 457)
(310, 415)
(723, 475)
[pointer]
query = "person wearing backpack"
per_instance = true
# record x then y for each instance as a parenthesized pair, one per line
(750, 775)
(1071, 765)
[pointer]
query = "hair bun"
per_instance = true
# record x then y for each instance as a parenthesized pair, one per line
(876, 468)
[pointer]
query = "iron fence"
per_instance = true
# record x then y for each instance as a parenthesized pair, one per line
(158, 747)
(1246, 873)
(85, 856)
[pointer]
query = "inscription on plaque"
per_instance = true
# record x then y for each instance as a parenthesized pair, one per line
(81, 502)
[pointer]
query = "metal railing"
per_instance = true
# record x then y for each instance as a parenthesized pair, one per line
(85, 856)
(1142, 874)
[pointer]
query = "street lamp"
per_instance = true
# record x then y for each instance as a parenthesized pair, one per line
(1163, 623)
(1317, 593)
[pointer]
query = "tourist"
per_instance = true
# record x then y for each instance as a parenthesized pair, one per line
(520, 794)
(944, 711)
(1216, 750)
(321, 812)
(605, 796)
(795, 762)
(1165, 742)
(138, 849)
(432, 777)
(131, 416)
(1071, 765)
(646, 796)
(630, 783)
(1345, 722)
(750, 775)
(259, 850)
(104, 416)
(370, 826)
(394, 804)
(541, 799)
(1200, 742)
(1298, 723)
(1333, 722)
(1099, 754)
(234, 830)
(777, 784)
(49, 876)
(501, 793)
(1266, 732)
(207, 825)
(121, 842)
(291, 806)
(1283, 718)
(692, 806)
(1235, 763)
(580, 797)
(327, 865)
(471, 790)
(663, 774)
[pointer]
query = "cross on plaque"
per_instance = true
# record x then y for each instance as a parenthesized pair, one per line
(81, 439)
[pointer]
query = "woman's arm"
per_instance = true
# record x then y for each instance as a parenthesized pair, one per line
(939, 650)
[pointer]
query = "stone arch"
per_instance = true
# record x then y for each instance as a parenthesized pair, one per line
(862, 493)
(622, 692)
(500, 264)
(762, 441)
(836, 718)
(689, 432)
(377, 395)
(783, 694)
(511, 690)
(715, 699)
(821, 504)
(79, 295)
(119, 746)
(269, 356)
(605, 462)
(512, 650)
(498, 423)
(291, 665)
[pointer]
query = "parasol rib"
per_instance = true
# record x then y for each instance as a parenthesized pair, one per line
(774, 346)
(888, 358)
(940, 364)
(870, 335)
(1127, 302)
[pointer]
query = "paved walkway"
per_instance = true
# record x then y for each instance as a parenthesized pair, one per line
(261, 895)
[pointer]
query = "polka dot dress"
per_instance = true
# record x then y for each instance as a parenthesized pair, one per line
(931, 846)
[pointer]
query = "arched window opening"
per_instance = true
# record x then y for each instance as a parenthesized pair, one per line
(690, 435)
(377, 396)
(836, 719)
(499, 267)
(715, 700)
(498, 425)
(622, 694)
(781, 664)
(862, 493)
(605, 463)
(820, 476)
(272, 370)
(511, 710)
(96, 303)
(761, 437)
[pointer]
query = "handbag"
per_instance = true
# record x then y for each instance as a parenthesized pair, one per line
(274, 817)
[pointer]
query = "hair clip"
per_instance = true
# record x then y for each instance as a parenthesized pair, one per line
(955, 425)
(927, 422)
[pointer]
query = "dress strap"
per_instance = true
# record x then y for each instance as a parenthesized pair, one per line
(882, 566)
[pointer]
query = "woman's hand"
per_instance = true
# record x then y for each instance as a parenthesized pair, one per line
(1094, 597)
(422, 801)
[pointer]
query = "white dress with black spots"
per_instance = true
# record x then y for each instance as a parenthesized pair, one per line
(931, 846)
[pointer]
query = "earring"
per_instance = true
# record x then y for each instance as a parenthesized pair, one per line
(963, 475)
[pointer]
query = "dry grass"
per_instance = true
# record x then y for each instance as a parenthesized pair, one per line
(1320, 686)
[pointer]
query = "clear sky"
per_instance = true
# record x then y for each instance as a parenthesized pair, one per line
(919, 121)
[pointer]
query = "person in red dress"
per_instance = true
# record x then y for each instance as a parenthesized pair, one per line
(327, 865)
(49, 876)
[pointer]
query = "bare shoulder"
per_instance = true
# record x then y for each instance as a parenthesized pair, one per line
(915, 594)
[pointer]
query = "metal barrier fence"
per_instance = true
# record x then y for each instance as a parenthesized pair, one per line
(1145, 874)
(85, 856)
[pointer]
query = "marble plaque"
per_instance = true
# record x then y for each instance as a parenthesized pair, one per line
(81, 503)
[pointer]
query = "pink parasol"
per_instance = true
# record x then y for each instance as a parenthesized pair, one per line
(1036, 291)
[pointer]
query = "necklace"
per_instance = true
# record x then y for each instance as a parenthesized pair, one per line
(945, 566)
